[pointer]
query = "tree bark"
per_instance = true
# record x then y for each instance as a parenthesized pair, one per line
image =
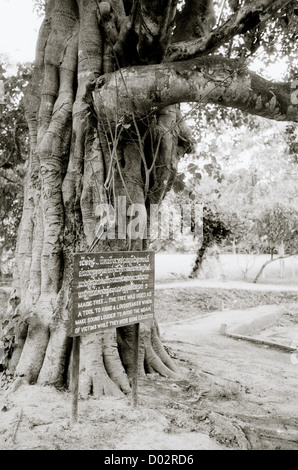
(218, 80)
(261, 270)
(76, 164)
(186, 46)
(103, 125)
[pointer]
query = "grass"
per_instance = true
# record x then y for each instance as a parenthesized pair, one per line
(179, 304)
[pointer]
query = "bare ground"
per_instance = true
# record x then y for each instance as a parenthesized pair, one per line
(229, 395)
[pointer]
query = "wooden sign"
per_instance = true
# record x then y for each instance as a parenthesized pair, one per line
(111, 290)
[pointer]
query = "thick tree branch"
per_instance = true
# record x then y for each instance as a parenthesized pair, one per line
(137, 91)
(240, 22)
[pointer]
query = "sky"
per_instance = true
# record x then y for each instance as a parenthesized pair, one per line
(19, 27)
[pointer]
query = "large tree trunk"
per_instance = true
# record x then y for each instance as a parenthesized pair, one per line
(104, 123)
(77, 163)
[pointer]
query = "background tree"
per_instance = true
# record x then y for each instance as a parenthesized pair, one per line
(14, 149)
(278, 232)
(104, 121)
(215, 231)
(241, 163)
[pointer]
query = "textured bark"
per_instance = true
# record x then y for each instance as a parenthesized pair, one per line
(77, 163)
(226, 82)
(104, 122)
(187, 45)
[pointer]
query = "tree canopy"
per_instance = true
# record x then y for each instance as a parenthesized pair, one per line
(14, 149)
(104, 122)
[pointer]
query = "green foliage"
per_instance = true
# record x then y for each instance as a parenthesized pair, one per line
(216, 230)
(14, 148)
(39, 7)
(292, 140)
(278, 225)
(242, 164)
(215, 227)
(13, 126)
(279, 37)
(270, 38)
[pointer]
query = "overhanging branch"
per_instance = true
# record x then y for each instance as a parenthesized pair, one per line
(248, 17)
(136, 91)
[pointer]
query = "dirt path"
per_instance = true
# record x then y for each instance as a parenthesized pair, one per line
(254, 391)
(229, 394)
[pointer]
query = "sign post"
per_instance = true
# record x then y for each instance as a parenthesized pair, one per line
(110, 290)
(75, 372)
(135, 372)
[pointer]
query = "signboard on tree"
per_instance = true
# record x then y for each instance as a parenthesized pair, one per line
(111, 290)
